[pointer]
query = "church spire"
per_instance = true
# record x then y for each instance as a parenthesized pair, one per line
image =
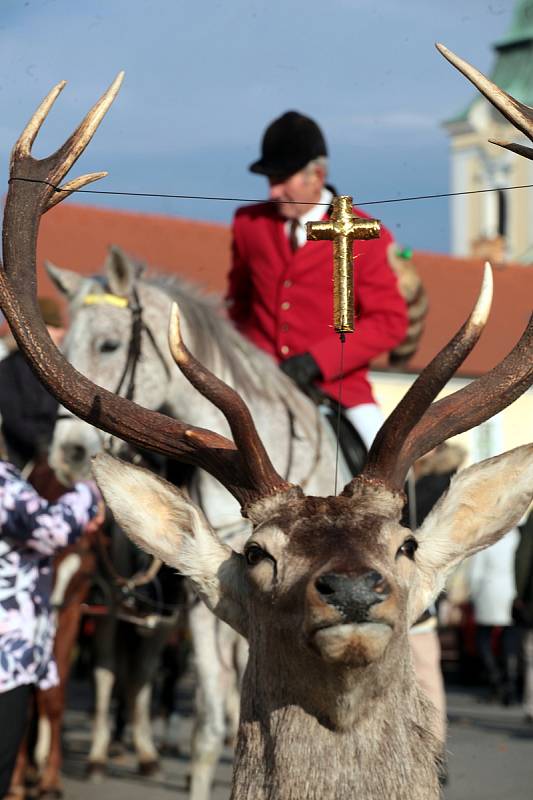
(512, 70)
(495, 224)
(521, 31)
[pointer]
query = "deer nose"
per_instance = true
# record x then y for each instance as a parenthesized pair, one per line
(353, 595)
(74, 453)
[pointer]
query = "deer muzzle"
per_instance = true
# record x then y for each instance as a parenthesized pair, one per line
(353, 595)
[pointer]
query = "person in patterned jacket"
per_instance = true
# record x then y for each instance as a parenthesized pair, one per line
(31, 532)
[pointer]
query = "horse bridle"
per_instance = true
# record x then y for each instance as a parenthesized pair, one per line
(127, 379)
(138, 326)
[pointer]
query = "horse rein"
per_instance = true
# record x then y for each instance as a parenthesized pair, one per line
(138, 326)
(127, 379)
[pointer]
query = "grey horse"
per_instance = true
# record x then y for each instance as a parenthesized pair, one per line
(119, 312)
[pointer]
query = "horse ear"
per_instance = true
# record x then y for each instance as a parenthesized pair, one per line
(163, 521)
(482, 504)
(65, 280)
(121, 272)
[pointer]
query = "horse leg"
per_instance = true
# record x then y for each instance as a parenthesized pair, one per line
(104, 679)
(117, 747)
(142, 732)
(51, 702)
(48, 753)
(148, 654)
(173, 665)
(165, 708)
(208, 735)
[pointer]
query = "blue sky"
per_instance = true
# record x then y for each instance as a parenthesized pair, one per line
(203, 79)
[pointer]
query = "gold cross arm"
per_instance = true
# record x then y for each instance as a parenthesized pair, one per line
(342, 228)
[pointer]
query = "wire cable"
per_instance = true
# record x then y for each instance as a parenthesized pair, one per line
(342, 338)
(220, 198)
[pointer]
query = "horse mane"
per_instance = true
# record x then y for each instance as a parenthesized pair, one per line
(216, 340)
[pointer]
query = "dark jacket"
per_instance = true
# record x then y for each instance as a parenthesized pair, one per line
(523, 609)
(28, 411)
(434, 473)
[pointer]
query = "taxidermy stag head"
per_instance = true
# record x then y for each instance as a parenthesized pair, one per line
(326, 587)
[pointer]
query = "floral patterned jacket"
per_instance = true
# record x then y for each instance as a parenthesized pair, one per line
(31, 530)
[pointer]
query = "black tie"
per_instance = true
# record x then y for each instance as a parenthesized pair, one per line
(293, 237)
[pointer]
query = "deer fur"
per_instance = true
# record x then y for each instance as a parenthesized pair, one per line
(329, 709)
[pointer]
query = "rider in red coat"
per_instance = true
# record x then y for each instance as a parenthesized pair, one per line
(280, 286)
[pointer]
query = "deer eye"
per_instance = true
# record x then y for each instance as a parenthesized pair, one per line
(408, 548)
(254, 554)
(109, 345)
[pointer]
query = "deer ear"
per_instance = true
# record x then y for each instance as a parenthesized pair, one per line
(481, 505)
(163, 521)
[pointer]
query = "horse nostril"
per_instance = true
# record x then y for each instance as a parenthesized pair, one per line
(75, 453)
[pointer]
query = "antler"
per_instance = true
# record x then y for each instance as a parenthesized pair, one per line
(520, 115)
(33, 191)
(226, 399)
(417, 424)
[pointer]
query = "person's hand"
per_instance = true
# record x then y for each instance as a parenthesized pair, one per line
(302, 368)
(96, 523)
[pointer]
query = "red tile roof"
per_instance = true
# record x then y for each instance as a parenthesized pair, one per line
(77, 237)
(452, 285)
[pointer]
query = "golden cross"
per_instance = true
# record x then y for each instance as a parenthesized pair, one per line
(342, 228)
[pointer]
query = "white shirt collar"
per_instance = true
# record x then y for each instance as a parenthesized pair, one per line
(314, 213)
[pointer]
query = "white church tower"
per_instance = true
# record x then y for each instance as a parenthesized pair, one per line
(498, 224)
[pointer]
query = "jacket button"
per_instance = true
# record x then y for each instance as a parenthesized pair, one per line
(284, 349)
(285, 305)
(287, 284)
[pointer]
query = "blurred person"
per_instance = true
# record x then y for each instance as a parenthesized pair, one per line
(429, 479)
(28, 410)
(31, 532)
(492, 589)
(523, 608)
(280, 286)
(4, 334)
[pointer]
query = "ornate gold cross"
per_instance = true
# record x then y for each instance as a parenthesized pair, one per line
(342, 228)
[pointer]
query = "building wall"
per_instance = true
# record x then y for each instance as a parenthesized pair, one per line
(476, 164)
(460, 205)
(520, 210)
(510, 428)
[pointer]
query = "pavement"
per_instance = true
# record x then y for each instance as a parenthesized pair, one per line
(490, 755)
(490, 749)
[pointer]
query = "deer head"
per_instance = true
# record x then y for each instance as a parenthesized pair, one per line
(333, 582)
(326, 588)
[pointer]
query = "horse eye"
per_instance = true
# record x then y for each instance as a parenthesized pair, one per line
(254, 554)
(408, 548)
(109, 345)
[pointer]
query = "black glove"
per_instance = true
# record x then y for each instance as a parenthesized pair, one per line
(303, 369)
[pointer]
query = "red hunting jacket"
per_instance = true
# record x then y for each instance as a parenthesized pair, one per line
(283, 301)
